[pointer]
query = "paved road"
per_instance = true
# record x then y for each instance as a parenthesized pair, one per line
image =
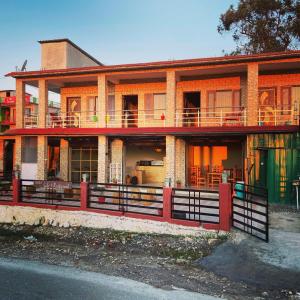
(30, 280)
(273, 265)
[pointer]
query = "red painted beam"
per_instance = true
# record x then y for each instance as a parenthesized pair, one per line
(153, 131)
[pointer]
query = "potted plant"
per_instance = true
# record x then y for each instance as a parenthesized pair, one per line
(178, 183)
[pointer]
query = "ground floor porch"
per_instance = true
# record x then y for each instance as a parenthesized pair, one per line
(268, 160)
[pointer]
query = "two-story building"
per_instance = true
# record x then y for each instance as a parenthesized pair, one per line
(8, 121)
(183, 121)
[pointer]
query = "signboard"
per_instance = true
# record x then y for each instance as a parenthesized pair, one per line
(58, 186)
(12, 100)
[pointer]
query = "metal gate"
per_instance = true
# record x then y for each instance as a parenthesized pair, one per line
(250, 210)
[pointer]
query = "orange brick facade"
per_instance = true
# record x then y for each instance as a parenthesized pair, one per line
(245, 75)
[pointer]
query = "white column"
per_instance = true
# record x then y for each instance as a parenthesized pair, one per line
(117, 154)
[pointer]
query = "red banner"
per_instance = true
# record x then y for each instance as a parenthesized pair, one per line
(12, 100)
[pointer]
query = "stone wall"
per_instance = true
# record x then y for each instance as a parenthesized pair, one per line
(64, 218)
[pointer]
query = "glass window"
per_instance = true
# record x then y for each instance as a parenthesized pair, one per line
(159, 103)
(29, 149)
(148, 106)
(111, 106)
(92, 106)
(84, 161)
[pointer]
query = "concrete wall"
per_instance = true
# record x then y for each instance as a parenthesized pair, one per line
(76, 59)
(62, 55)
(54, 55)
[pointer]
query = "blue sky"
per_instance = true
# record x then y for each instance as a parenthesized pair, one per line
(113, 31)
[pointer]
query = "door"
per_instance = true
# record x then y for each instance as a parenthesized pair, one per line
(192, 105)
(130, 104)
(8, 157)
(263, 167)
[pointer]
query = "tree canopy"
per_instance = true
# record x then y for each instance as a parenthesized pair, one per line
(259, 26)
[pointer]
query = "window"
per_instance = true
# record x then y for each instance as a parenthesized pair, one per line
(155, 105)
(285, 101)
(225, 101)
(29, 149)
(149, 106)
(92, 106)
(84, 161)
(159, 105)
(111, 106)
(27, 112)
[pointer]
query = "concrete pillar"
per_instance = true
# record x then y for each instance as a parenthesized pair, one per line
(252, 94)
(102, 100)
(170, 159)
(42, 156)
(180, 161)
(64, 159)
(171, 99)
(1, 153)
(102, 159)
(225, 206)
(18, 152)
(118, 122)
(43, 103)
(117, 154)
(20, 103)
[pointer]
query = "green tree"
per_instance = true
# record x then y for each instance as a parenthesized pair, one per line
(263, 25)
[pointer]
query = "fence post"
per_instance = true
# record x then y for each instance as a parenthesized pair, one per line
(167, 204)
(16, 183)
(84, 187)
(225, 206)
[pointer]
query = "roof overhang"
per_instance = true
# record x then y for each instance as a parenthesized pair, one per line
(200, 62)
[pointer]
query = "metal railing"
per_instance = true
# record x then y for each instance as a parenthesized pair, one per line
(146, 200)
(57, 193)
(186, 117)
(195, 205)
(31, 121)
(250, 210)
(219, 116)
(6, 189)
(136, 118)
(272, 115)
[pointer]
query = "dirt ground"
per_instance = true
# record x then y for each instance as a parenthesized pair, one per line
(164, 261)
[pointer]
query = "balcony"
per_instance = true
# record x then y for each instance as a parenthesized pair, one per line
(277, 116)
(219, 117)
(8, 121)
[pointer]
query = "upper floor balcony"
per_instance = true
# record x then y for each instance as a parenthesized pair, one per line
(186, 117)
(237, 98)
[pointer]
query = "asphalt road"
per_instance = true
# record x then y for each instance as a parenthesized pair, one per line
(21, 279)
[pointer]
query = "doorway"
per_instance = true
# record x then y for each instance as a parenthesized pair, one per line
(8, 159)
(130, 111)
(192, 104)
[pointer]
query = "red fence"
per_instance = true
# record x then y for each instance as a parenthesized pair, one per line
(188, 207)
